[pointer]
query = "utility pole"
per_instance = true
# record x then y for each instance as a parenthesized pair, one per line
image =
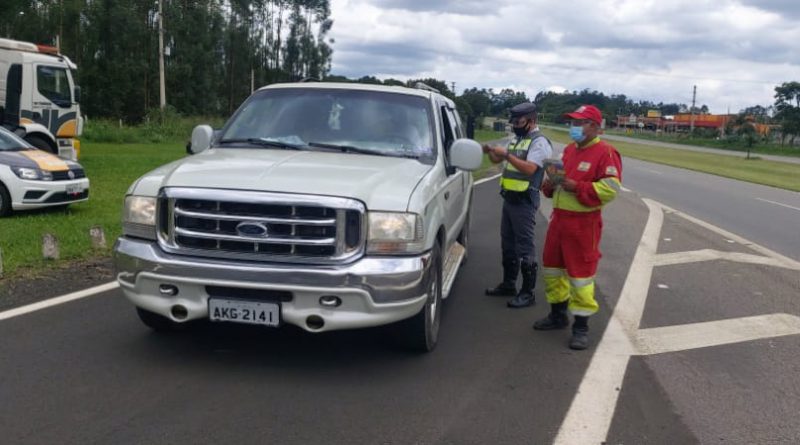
(691, 121)
(162, 91)
(453, 84)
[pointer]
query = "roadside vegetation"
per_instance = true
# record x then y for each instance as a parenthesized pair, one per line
(732, 143)
(776, 174)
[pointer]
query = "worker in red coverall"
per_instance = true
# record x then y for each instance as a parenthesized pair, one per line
(590, 179)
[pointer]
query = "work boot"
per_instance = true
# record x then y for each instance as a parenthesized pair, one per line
(525, 296)
(508, 288)
(556, 319)
(580, 333)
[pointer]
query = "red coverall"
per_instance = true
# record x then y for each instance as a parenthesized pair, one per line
(571, 249)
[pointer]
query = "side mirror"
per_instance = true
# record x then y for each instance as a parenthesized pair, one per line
(76, 93)
(466, 154)
(202, 135)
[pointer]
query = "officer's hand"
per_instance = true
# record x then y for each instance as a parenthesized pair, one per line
(486, 148)
(547, 183)
(499, 152)
(569, 184)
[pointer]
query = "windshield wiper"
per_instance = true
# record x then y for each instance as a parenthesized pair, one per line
(366, 151)
(264, 142)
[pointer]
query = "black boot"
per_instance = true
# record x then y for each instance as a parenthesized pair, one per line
(508, 288)
(556, 319)
(580, 333)
(525, 296)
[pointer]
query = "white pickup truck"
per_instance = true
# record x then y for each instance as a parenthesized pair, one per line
(322, 205)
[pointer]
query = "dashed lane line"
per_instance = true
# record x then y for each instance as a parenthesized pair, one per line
(44, 304)
(780, 204)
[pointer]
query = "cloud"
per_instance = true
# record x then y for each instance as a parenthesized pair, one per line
(735, 51)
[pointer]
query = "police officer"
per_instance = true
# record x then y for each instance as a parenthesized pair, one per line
(519, 187)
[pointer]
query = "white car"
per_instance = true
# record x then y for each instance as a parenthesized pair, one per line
(31, 178)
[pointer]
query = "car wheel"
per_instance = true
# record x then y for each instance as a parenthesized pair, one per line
(421, 332)
(5, 201)
(156, 322)
(41, 144)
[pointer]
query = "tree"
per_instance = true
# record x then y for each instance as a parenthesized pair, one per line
(787, 104)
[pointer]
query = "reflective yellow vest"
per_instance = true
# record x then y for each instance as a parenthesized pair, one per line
(515, 181)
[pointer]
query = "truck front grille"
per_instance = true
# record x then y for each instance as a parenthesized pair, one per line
(260, 226)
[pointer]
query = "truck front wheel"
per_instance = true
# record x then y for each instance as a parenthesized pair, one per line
(41, 144)
(421, 332)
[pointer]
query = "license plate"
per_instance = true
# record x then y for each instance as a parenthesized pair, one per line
(74, 189)
(241, 311)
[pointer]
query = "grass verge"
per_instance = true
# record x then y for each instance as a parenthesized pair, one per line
(776, 174)
(111, 169)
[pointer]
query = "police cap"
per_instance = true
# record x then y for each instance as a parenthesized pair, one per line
(522, 110)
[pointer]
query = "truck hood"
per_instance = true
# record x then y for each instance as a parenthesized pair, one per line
(382, 183)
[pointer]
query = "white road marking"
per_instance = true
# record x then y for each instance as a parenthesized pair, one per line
(653, 171)
(57, 300)
(592, 410)
(590, 414)
(490, 178)
(695, 256)
(715, 333)
(780, 204)
(625, 189)
(789, 263)
(663, 286)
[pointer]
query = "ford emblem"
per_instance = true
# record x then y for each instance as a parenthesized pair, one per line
(71, 174)
(252, 229)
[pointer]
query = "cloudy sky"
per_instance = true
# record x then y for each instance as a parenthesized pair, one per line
(735, 51)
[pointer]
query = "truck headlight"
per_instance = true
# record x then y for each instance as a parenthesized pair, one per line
(139, 217)
(32, 174)
(395, 233)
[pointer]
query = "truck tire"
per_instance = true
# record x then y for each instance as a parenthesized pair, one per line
(420, 333)
(156, 322)
(5, 201)
(41, 144)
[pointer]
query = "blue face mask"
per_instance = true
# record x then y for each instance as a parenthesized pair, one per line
(576, 133)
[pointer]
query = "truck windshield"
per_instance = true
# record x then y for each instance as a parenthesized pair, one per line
(366, 122)
(53, 83)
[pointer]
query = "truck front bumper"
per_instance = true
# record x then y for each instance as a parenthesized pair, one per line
(373, 291)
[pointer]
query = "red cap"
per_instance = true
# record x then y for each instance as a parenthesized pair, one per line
(589, 112)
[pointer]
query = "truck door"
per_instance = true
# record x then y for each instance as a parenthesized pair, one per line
(453, 187)
(52, 99)
(13, 95)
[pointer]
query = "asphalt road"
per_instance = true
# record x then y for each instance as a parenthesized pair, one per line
(88, 372)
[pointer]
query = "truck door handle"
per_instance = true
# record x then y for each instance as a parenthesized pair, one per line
(446, 195)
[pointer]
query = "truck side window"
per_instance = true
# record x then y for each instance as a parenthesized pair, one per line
(448, 135)
(52, 83)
